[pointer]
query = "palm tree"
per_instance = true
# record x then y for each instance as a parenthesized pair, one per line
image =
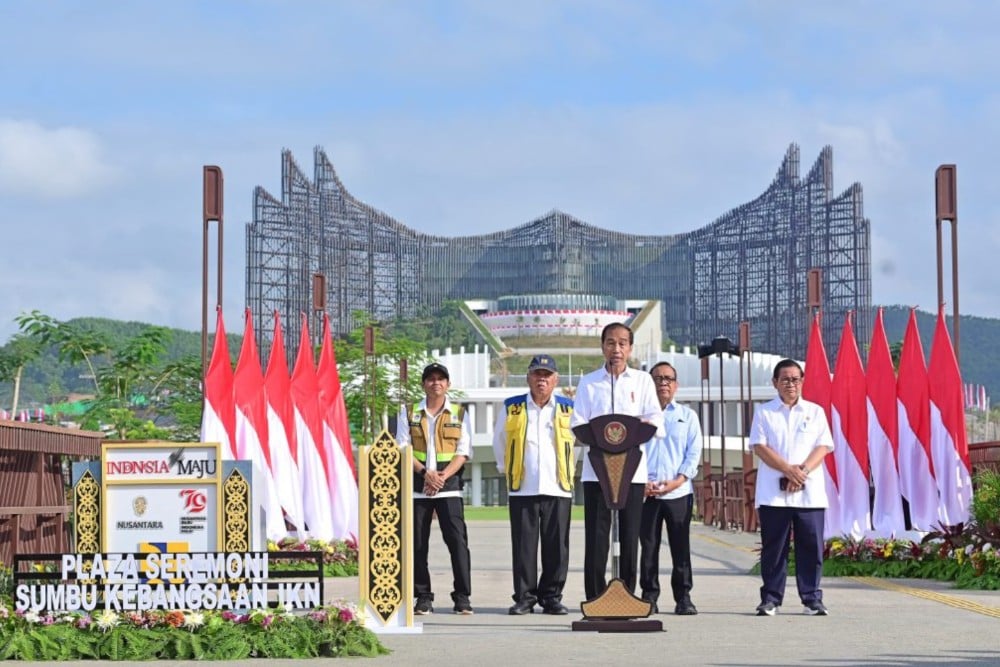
(520, 323)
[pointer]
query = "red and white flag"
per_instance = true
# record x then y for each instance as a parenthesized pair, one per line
(949, 446)
(883, 435)
(817, 387)
(850, 435)
(252, 441)
(218, 417)
(916, 471)
(281, 431)
(337, 441)
(313, 465)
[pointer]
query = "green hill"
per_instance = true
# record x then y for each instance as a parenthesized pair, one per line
(48, 380)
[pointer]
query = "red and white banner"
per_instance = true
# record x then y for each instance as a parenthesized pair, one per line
(916, 471)
(293, 429)
(314, 470)
(883, 435)
(218, 417)
(949, 446)
(252, 442)
(817, 386)
(850, 435)
(337, 442)
(281, 431)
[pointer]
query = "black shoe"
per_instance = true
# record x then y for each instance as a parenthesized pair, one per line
(423, 607)
(815, 608)
(555, 609)
(686, 608)
(463, 607)
(521, 608)
(654, 609)
(767, 609)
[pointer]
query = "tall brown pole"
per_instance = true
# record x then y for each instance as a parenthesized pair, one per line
(211, 210)
(946, 208)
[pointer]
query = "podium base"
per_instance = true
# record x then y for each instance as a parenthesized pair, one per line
(605, 625)
(617, 610)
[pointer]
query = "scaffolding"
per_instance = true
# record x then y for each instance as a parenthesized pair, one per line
(749, 265)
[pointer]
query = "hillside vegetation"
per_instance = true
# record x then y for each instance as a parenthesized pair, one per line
(48, 380)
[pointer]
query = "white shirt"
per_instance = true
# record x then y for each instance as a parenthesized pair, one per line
(464, 443)
(792, 432)
(541, 471)
(634, 394)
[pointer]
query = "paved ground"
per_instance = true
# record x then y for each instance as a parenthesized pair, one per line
(871, 622)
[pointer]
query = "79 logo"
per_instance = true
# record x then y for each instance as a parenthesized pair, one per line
(195, 501)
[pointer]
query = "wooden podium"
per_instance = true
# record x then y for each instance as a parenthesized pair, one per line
(614, 441)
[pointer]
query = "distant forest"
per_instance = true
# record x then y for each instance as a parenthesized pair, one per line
(47, 380)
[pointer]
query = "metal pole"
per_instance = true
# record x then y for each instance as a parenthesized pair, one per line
(946, 208)
(212, 191)
(722, 439)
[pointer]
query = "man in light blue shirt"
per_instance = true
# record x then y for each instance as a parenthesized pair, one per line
(673, 463)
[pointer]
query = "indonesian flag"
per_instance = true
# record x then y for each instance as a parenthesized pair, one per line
(818, 388)
(218, 417)
(313, 463)
(949, 447)
(916, 472)
(337, 442)
(850, 435)
(883, 435)
(281, 431)
(252, 442)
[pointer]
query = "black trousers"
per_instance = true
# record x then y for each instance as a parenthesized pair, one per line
(451, 518)
(676, 514)
(806, 524)
(547, 518)
(597, 538)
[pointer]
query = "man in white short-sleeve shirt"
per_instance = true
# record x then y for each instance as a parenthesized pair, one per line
(791, 437)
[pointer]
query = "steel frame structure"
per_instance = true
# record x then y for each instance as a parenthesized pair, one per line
(748, 265)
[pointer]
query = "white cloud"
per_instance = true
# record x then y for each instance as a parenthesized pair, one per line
(36, 161)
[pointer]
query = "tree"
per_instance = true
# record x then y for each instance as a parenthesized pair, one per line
(381, 387)
(14, 356)
(128, 377)
(75, 344)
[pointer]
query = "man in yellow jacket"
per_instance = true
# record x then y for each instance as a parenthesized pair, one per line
(533, 444)
(439, 432)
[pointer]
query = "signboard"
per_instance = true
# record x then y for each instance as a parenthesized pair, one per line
(161, 492)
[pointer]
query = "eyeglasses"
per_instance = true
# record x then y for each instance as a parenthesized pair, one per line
(663, 379)
(792, 381)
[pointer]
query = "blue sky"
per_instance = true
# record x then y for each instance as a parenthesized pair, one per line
(468, 117)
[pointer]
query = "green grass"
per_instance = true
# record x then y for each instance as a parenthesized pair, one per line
(500, 513)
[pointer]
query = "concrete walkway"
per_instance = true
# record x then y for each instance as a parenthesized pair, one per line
(871, 622)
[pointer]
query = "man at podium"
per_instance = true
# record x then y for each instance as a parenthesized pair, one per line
(613, 388)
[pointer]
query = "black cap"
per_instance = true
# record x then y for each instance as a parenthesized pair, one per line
(434, 368)
(543, 362)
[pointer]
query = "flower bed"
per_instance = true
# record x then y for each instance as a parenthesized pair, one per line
(964, 561)
(340, 557)
(335, 630)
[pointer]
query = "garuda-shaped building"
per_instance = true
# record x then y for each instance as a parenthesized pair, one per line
(748, 265)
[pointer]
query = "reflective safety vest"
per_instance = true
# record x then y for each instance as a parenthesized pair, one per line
(516, 429)
(447, 433)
